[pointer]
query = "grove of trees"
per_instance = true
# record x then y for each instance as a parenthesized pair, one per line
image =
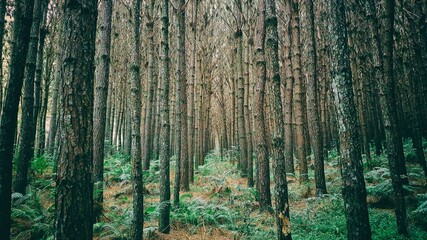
(140, 108)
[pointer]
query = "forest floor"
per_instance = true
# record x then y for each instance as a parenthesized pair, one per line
(221, 206)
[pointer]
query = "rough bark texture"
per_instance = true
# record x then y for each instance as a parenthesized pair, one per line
(191, 105)
(40, 120)
(148, 138)
(2, 23)
(298, 98)
(135, 98)
(278, 147)
(353, 188)
(309, 53)
(73, 198)
(243, 145)
(164, 210)
(28, 127)
(182, 75)
(100, 102)
(289, 155)
(396, 159)
(263, 183)
(54, 117)
(21, 35)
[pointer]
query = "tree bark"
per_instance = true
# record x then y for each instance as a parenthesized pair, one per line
(309, 52)
(298, 98)
(21, 36)
(100, 99)
(148, 139)
(164, 210)
(396, 159)
(263, 182)
(182, 75)
(353, 187)
(243, 145)
(278, 147)
(28, 126)
(135, 98)
(73, 198)
(2, 23)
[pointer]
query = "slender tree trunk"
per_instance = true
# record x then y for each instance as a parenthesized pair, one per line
(148, 151)
(298, 98)
(353, 187)
(74, 186)
(395, 155)
(41, 124)
(54, 116)
(309, 52)
(100, 100)
(182, 75)
(248, 126)
(27, 129)
(191, 110)
(135, 98)
(164, 219)
(241, 92)
(21, 36)
(278, 147)
(263, 181)
(39, 65)
(2, 23)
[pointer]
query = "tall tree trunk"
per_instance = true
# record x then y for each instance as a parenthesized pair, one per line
(148, 139)
(248, 121)
(74, 191)
(164, 212)
(309, 52)
(263, 181)
(298, 98)
(278, 147)
(39, 65)
(182, 75)
(54, 112)
(100, 99)
(395, 155)
(243, 144)
(28, 127)
(21, 36)
(289, 158)
(353, 187)
(41, 124)
(39, 121)
(2, 23)
(135, 98)
(191, 105)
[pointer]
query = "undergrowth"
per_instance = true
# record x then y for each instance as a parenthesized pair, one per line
(219, 198)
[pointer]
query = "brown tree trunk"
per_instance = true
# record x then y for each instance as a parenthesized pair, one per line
(100, 99)
(21, 36)
(298, 99)
(148, 139)
(182, 74)
(28, 125)
(135, 105)
(310, 69)
(278, 148)
(389, 113)
(353, 187)
(2, 23)
(74, 186)
(263, 181)
(243, 145)
(164, 210)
